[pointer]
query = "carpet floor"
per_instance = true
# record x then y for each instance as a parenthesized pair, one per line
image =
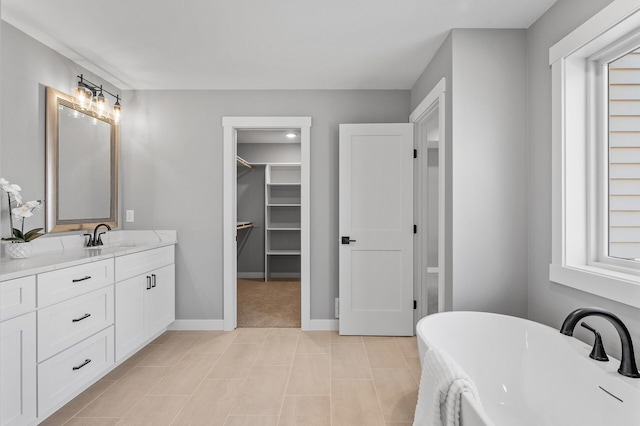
(268, 304)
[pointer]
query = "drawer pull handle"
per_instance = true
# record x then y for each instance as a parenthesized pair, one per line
(153, 276)
(148, 282)
(77, 280)
(85, 316)
(78, 367)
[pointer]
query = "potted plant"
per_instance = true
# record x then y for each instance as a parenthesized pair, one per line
(20, 247)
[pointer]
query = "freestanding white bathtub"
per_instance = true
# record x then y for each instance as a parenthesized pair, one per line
(528, 373)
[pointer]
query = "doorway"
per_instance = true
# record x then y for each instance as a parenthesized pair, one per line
(268, 227)
(429, 206)
(272, 267)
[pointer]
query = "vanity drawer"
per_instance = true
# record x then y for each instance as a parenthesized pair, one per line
(138, 263)
(17, 297)
(66, 283)
(66, 374)
(66, 323)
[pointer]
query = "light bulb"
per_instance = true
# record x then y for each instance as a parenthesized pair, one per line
(117, 112)
(83, 96)
(101, 104)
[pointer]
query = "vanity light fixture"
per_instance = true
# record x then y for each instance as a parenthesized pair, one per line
(87, 94)
(82, 94)
(102, 105)
(117, 110)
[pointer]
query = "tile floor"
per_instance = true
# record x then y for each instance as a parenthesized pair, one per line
(256, 376)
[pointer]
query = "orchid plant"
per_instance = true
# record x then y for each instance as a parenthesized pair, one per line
(20, 212)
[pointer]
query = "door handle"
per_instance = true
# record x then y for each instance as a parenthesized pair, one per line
(346, 240)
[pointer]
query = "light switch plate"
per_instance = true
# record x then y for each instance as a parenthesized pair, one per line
(129, 216)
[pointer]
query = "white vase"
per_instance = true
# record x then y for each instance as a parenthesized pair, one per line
(18, 250)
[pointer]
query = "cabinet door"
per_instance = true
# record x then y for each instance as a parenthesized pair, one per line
(130, 315)
(18, 370)
(160, 307)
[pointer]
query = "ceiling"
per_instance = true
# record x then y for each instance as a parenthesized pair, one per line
(259, 44)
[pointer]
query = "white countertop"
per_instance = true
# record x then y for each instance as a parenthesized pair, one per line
(51, 253)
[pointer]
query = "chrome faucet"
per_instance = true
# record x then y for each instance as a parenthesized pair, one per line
(96, 240)
(628, 361)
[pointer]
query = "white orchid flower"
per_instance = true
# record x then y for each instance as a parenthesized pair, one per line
(11, 189)
(21, 212)
(35, 204)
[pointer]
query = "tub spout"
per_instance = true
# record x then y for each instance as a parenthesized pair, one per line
(628, 366)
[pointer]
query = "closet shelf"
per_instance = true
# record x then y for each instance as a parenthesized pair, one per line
(283, 205)
(241, 161)
(284, 184)
(284, 228)
(243, 225)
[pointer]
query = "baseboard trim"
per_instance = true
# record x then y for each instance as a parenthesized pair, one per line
(285, 275)
(323, 325)
(314, 325)
(196, 325)
(251, 275)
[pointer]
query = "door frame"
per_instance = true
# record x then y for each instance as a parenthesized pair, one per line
(229, 193)
(434, 100)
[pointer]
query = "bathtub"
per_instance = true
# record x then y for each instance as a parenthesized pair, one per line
(527, 373)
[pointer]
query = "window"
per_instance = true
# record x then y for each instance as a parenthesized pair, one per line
(596, 155)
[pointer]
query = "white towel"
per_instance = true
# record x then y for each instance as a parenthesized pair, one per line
(442, 384)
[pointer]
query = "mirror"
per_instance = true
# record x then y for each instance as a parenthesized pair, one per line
(82, 166)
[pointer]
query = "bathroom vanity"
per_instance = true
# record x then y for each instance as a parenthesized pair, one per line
(70, 314)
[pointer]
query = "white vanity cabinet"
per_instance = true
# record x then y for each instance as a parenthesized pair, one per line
(75, 318)
(68, 319)
(18, 352)
(145, 298)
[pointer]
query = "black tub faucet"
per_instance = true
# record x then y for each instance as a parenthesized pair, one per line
(628, 366)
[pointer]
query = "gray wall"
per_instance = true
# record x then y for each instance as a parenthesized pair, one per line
(485, 144)
(270, 152)
(548, 302)
(250, 197)
(171, 161)
(27, 67)
(489, 216)
(442, 66)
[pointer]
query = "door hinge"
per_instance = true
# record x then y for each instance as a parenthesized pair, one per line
(415, 153)
(415, 229)
(415, 304)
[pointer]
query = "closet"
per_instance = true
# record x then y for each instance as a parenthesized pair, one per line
(268, 204)
(268, 231)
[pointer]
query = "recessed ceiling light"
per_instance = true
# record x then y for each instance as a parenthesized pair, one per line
(291, 134)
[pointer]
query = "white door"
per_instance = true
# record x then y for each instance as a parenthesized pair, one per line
(376, 229)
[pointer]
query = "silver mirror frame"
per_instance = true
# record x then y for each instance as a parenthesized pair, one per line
(53, 223)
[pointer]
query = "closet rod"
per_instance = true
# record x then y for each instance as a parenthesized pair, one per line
(243, 162)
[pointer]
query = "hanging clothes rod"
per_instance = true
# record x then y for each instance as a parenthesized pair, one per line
(243, 162)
